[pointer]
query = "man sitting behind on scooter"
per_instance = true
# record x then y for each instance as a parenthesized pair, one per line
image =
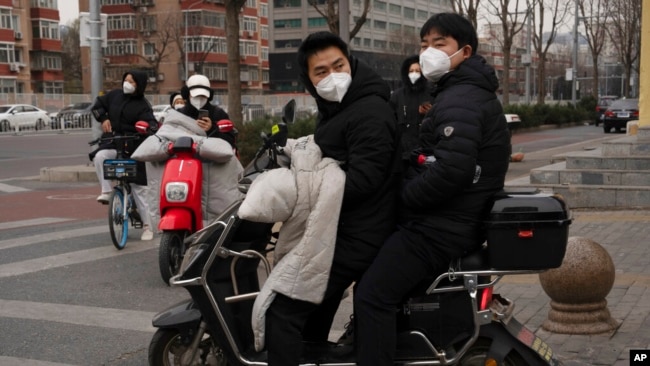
(198, 95)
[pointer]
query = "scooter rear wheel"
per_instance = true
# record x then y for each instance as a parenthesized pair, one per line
(171, 252)
(168, 349)
(118, 224)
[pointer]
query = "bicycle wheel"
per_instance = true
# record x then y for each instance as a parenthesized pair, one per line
(118, 220)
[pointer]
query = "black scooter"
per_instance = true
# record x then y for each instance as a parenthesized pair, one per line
(455, 320)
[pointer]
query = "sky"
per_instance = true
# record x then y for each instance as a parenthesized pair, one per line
(68, 10)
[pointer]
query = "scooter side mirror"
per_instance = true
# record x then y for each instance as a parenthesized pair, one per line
(142, 127)
(225, 125)
(289, 112)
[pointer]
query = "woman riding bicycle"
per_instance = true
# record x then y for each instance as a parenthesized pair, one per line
(117, 112)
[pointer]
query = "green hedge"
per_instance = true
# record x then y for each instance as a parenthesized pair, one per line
(534, 115)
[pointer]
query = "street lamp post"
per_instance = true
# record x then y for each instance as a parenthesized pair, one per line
(187, 23)
(575, 56)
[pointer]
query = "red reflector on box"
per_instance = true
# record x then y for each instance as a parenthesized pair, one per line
(525, 234)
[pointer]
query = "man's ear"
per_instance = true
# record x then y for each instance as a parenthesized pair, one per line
(467, 52)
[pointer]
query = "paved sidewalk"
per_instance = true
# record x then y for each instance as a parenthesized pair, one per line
(625, 234)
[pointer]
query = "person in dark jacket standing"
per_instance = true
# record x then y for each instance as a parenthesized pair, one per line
(465, 148)
(117, 112)
(356, 126)
(410, 103)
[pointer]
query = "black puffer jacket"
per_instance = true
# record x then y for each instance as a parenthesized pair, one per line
(124, 110)
(464, 129)
(361, 133)
(406, 102)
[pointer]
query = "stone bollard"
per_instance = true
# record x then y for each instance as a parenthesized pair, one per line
(578, 289)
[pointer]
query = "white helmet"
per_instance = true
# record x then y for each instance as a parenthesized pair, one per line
(199, 85)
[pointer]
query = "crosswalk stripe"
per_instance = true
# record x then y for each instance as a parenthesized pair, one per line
(90, 316)
(70, 258)
(12, 189)
(55, 235)
(14, 361)
(32, 222)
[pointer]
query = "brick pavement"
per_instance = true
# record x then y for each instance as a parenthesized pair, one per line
(625, 234)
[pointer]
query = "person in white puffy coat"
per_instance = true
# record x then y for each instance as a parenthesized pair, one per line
(221, 168)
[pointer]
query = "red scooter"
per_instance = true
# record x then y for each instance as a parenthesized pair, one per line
(181, 213)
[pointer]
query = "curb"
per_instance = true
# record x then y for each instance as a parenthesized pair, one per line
(72, 173)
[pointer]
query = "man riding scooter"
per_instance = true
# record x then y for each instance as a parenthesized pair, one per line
(199, 152)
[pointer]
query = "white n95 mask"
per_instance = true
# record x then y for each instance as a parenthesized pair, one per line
(435, 63)
(334, 86)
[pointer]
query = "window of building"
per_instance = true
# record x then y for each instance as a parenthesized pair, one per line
(6, 53)
(367, 42)
(380, 24)
(121, 21)
(45, 29)
(395, 27)
(148, 23)
(356, 42)
(5, 18)
(288, 43)
(287, 23)
(251, 4)
(15, 20)
(7, 86)
(265, 76)
(248, 48)
(210, 19)
(395, 9)
(244, 75)
(149, 49)
(249, 24)
(264, 10)
(254, 75)
(264, 31)
(50, 87)
(286, 3)
(206, 44)
(379, 44)
(423, 15)
(409, 13)
(316, 22)
(410, 30)
(264, 54)
(50, 4)
(379, 5)
(115, 2)
(120, 47)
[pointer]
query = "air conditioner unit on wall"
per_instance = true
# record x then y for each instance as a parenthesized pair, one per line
(152, 79)
(18, 35)
(14, 67)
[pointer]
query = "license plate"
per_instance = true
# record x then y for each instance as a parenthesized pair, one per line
(525, 336)
(623, 114)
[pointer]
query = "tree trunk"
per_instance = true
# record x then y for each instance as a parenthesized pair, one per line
(233, 8)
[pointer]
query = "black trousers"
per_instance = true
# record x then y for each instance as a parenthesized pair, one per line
(289, 321)
(405, 260)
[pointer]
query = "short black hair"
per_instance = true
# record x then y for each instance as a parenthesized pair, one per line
(316, 42)
(452, 25)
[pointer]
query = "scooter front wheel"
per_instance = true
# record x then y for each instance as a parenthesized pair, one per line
(118, 222)
(171, 252)
(168, 349)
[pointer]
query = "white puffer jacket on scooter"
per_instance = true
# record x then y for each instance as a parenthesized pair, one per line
(221, 168)
(307, 200)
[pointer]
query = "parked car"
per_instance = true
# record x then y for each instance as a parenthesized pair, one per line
(21, 116)
(77, 115)
(603, 102)
(159, 111)
(619, 113)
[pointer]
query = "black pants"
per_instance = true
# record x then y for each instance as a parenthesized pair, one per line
(289, 321)
(404, 261)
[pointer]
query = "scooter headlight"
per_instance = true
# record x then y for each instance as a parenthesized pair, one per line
(176, 191)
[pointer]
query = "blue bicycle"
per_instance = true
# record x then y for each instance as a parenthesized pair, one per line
(122, 208)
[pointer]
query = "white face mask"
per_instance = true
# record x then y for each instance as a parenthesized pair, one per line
(179, 106)
(435, 63)
(128, 88)
(414, 76)
(334, 86)
(198, 102)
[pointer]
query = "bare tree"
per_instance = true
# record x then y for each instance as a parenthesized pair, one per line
(595, 16)
(625, 36)
(468, 9)
(404, 43)
(71, 58)
(558, 10)
(512, 23)
(159, 41)
(330, 11)
(233, 9)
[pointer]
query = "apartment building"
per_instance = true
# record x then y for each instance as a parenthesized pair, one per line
(30, 48)
(390, 34)
(163, 36)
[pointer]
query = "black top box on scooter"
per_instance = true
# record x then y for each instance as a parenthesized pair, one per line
(527, 229)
